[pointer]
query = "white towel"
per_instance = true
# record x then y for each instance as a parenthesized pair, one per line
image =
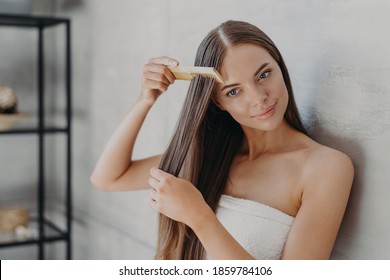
(259, 228)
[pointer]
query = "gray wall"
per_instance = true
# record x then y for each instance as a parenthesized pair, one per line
(337, 55)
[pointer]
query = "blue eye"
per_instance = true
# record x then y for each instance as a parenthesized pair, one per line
(264, 75)
(233, 92)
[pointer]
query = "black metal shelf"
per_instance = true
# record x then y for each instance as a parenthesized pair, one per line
(42, 127)
(30, 21)
(52, 233)
(34, 131)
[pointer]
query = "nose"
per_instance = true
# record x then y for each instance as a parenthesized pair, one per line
(258, 95)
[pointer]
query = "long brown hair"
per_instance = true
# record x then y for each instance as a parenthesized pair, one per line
(206, 138)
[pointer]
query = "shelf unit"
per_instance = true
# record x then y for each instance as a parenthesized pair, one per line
(47, 230)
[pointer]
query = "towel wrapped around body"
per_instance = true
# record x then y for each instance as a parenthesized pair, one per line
(259, 228)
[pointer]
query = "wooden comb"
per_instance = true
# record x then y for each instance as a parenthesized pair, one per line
(189, 72)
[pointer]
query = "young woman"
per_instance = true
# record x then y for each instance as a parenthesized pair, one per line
(240, 179)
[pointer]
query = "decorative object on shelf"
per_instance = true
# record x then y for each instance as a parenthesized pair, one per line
(12, 217)
(22, 233)
(8, 108)
(8, 101)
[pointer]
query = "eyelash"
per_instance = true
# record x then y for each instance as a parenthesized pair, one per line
(268, 72)
(228, 94)
(259, 78)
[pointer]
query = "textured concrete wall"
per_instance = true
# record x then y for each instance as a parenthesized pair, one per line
(337, 55)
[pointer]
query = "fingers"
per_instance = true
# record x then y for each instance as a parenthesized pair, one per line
(157, 77)
(159, 65)
(153, 194)
(158, 181)
(159, 175)
(164, 60)
(154, 183)
(156, 85)
(158, 72)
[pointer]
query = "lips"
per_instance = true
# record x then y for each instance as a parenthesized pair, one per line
(266, 113)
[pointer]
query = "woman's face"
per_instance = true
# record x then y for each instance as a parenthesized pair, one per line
(254, 93)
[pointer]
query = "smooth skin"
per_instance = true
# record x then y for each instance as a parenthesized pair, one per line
(276, 165)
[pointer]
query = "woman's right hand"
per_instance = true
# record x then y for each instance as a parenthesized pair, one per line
(156, 78)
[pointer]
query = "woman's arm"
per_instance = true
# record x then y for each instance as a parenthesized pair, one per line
(324, 199)
(115, 169)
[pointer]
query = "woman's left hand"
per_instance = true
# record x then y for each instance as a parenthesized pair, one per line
(176, 198)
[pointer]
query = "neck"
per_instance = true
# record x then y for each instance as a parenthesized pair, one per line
(258, 142)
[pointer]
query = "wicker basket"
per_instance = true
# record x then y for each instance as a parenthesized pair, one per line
(14, 216)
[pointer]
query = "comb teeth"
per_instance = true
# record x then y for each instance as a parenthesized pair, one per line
(188, 73)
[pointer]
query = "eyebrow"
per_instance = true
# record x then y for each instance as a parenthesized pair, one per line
(261, 68)
(256, 73)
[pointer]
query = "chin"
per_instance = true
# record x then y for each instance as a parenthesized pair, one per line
(267, 125)
(262, 127)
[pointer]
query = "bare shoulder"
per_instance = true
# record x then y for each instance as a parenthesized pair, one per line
(325, 159)
(327, 167)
